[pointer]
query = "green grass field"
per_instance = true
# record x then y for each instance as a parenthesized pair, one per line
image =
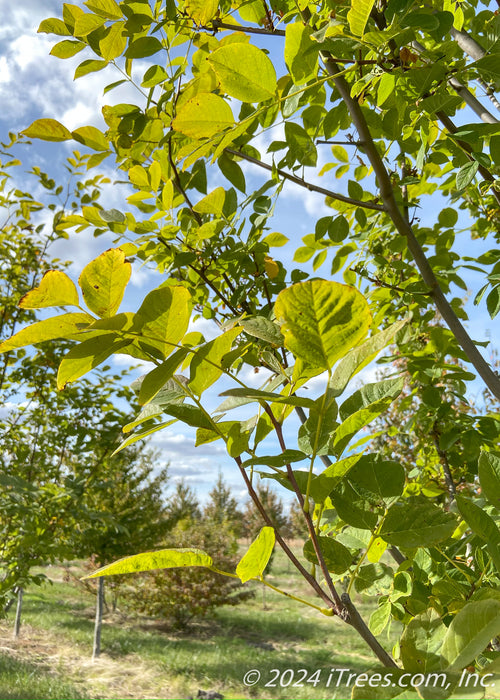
(142, 658)
(293, 647)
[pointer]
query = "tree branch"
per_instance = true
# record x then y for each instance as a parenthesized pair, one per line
(356, 621)
(307, 185)
(307, 576)
(307, 516)
(490, 378)
(464, 93)
(217, 24)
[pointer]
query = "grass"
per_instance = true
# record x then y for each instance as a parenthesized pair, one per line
(144, 659)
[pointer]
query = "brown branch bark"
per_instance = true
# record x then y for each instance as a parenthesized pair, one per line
(307, 185)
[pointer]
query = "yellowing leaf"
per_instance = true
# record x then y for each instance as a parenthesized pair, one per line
(201, 11)
(103, 282)
(271, 267)
(67, 49)
(254, 562)
(106, 8)
(302, 64)
(86, 356)
(56, 289)
(47, 130)
(50, 328)
(322, 320)
(162, 559)
(91, 136)
(358, 15)
(244, 72)
(163, 318)
(212, 203)
(114, 43)
(203, 115)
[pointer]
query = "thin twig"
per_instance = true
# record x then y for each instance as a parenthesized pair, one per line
(307, 185)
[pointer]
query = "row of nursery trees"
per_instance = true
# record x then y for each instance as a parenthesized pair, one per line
(395, 101)
(63, 495)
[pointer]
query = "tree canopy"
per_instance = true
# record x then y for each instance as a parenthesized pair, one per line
(387, 111)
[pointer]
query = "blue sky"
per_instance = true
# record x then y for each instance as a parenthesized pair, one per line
(34, 84)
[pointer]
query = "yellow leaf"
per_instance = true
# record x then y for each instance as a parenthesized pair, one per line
(56, 289)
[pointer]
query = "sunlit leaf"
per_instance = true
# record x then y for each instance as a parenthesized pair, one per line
(103, 282)
(322, 320)
(161, 559)
(63, 326)
(244, 72)
(358, 15)
(55, 289)
(203, 115)
(256, 558)
(47, 130)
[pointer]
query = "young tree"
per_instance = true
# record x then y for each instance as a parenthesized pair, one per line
(222, 508)
(273, 506)
(387, 95)
(183, 506)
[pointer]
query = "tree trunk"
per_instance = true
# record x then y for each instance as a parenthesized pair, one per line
(98, 619)
(17, 621)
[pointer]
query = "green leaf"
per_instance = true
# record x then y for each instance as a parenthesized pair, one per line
(206, 365)
(55, 289)
(250, 10)
(302, 148)
(105, 8)
(163, 317)
(355, 422)
(261, 327)
(203, 116)
(64, 326)
(495, 149)
(269, 397)
(244, 72)
(358, 15)
(87, 356)
(155, 380)
(380, 618)
(301, 53)
(91, 137)
(489, 477)
(338, 558)
(470, 632)
(47, 130)
(479, 522)
(286, 457)
(323, 484)
(466, 174)
(53, 25)
(255, 560)
(493, 301)
(161, 559)
(375, 477)
(191, 415)
(370, 393)
(361, 356)
(385, 88)
(417, 524)
(321, 320)
(67, 49)
(103, 282)
(422, 641)
(232, 171)
(144, 47)
(201, 11)
(114, 42)
(352, 508)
